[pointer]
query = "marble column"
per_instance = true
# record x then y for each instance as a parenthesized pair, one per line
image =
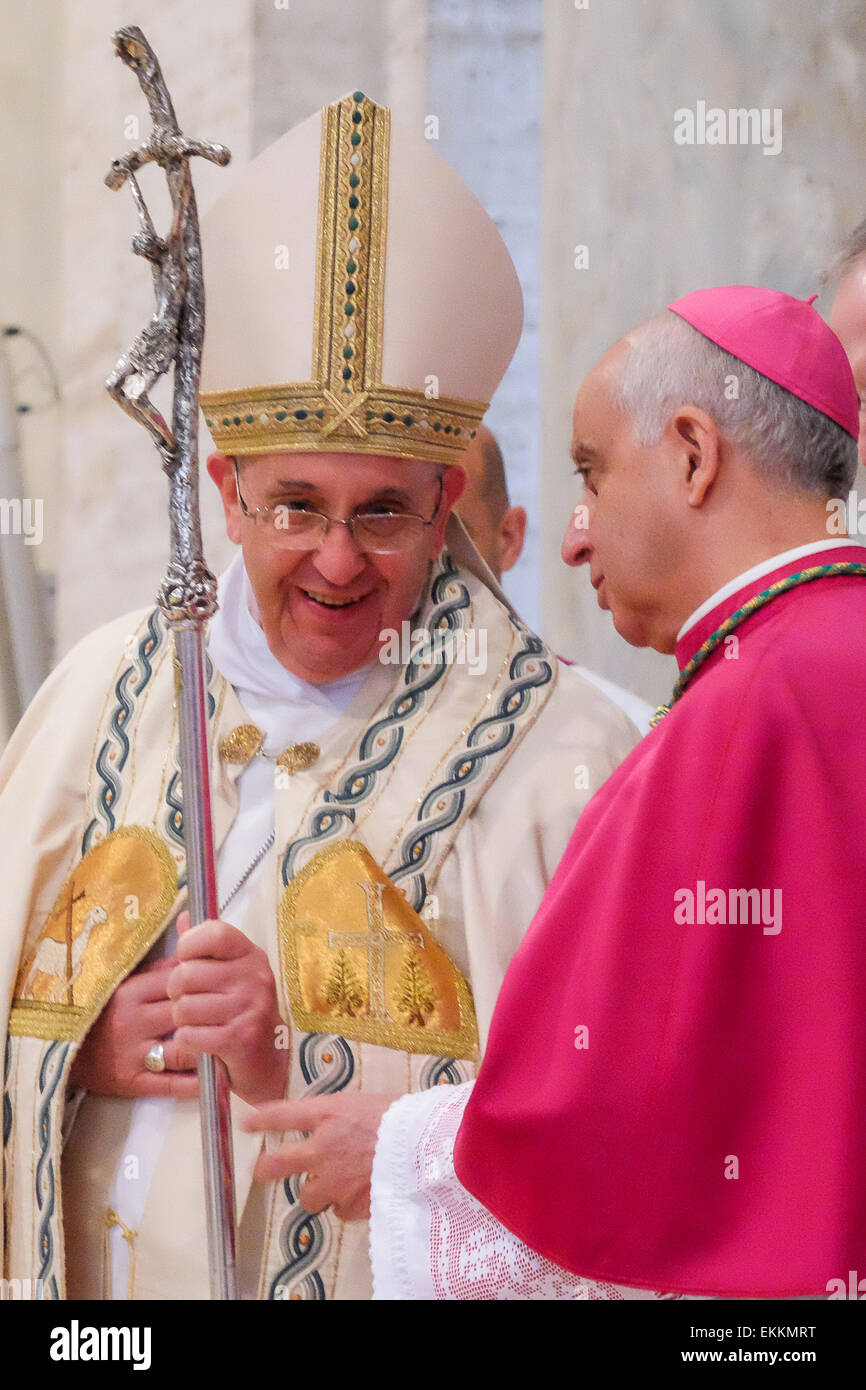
(485, 93)
(30, 239)
(317, 50)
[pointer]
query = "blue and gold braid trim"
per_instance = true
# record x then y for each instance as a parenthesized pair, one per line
(529, 670)
(50, 1076)
(111, 758)
(327, 1065)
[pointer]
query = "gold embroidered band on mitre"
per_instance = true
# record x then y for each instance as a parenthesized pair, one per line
(359, 961)
(347, 408)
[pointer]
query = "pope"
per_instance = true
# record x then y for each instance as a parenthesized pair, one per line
(387, 814)
(672, 1101)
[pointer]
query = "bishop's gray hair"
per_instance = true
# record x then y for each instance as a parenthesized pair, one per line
(794, 446)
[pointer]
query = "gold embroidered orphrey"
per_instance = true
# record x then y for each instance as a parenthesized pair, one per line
(112, 905)
(359, 961)
(347, 407)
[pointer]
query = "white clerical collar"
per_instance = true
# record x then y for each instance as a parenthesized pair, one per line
(757, 571)
(239, 650)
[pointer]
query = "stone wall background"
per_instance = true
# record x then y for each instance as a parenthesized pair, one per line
(30, 241)
(559, 115)
(660, 219)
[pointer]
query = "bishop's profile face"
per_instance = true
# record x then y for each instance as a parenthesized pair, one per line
(621, 527)
(324, 610)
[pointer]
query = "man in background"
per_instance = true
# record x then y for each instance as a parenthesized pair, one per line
(499, 531)
(497, 528)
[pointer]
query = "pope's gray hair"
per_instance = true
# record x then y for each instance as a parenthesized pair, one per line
(795, 447)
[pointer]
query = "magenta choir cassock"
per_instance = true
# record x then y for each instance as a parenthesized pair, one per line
(680, 1043)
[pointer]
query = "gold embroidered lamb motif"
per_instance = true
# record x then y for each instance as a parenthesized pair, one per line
(359, 961)
(103, 921)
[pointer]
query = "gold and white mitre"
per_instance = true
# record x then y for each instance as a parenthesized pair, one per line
(359, 298)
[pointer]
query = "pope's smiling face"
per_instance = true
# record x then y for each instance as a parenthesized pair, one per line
(324, 611)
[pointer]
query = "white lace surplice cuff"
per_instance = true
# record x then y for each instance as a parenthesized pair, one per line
(430, 1238)
(400, 1212)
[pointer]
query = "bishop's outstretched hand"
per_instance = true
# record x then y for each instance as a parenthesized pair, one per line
(336, 1150)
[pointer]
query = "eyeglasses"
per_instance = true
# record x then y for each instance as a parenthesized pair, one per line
(378, 533)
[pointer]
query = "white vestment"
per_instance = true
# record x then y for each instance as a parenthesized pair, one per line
(482, 787)
(287, 710)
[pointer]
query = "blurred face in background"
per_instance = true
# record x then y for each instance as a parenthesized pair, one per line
(497, 529)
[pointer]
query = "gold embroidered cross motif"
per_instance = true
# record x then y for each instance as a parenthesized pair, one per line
(357, 960)
(375, 941)
(345, 411)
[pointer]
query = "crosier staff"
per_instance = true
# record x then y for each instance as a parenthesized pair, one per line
(187, 595)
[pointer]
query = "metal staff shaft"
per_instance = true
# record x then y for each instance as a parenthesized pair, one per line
(201, 878)
(187, 598)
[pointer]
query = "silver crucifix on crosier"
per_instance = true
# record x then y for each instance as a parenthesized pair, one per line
(187, 596)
